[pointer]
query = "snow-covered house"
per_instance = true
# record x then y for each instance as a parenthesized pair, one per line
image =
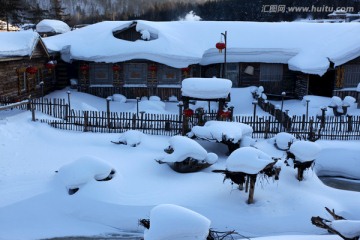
(24, 67)
(137, 58)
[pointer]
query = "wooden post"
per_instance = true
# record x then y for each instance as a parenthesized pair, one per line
(108, 112)
(32, 108)
(267, 128)
(252, 188)
(349, 121)
(134, 121)
(66, 112)
(86, 121)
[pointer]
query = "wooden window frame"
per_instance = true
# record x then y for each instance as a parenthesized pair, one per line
(271, 72)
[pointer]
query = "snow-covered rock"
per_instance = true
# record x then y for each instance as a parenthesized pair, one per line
(172, 222)
(185, 147)
(283, 140)
(83, 170)
(206, 88)
(305, 151)
(248, 160)
(131, 137)
(217, 130)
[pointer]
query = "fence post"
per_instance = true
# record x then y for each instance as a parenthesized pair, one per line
(32, 109)
(86, 121)
(108, 99)
(349, 120)
(267, 128)
(133, 121)
(303, 122)
(311, 130)
(323, 117)
(66, 112)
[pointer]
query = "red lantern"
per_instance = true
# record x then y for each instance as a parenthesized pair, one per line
(188, 112)
(116, 68)
(50, 65)
(31, 70)
(84, 67)
(152, 68)
(224, 114)
(185, 70)
(220, 46)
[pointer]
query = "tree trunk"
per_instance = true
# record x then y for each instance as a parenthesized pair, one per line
(252, 188)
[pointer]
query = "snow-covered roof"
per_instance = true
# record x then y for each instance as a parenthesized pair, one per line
(15, 44)
(206, 88)
(305, 47)
(53, 26)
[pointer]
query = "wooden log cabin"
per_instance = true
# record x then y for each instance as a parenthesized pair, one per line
(24, 66)
(141, 58)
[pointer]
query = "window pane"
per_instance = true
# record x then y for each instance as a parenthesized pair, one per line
(135, 73)
(100, 74)
(169, 75)
(271, 72)
(351, 75)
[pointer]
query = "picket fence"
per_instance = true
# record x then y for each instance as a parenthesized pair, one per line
(328, 128)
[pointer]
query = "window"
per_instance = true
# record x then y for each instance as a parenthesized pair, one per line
(271, 72)
(135, 73)
(351, 75)
(101, 74)
(232, 73)
(169, 75)
(23, 81)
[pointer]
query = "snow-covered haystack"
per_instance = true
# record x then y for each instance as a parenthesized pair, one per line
(206, 88)
(244, 164)
(283, 140)
(84, 170)
(303, 154)
(186, 155)
(229, 133)
(119, 98)
(131, 138)
(172, 222)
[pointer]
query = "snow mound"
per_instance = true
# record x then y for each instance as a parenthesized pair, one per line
(87, 107)
(52, 25)
(217, 130)
(348, 228)
(154, 98)
(119, 98)
(185, 147)
(172, 222)
(84, 170)
(131, 137)
(283, 140)
(152, 106)
(305, 151)
(205, 88)
(248, 160)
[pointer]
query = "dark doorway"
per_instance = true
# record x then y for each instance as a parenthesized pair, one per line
(322, 86)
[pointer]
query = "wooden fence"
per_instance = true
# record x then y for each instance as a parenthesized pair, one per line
(327, 127)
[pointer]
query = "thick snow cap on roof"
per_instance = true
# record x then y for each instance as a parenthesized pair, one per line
(306, 47)
(18, 43)
(52, 25)
(206, 88)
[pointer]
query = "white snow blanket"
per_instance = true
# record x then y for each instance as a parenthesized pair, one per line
(348, 228)
(305, 151)
(131, 137)
(305, 47)
(248, 160)
(185, 147)
(83, 170)
(18, 43)
(52, 25)
(206, 88)
(172, 222)
(217, 130)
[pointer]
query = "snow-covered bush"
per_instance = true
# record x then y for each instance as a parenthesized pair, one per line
(131, 137)
(168, 221)
(119, 98)
(303, 154)
(186, 155)
(84, 170)
(283, 140)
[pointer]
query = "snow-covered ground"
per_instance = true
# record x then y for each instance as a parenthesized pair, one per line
(35, 203)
